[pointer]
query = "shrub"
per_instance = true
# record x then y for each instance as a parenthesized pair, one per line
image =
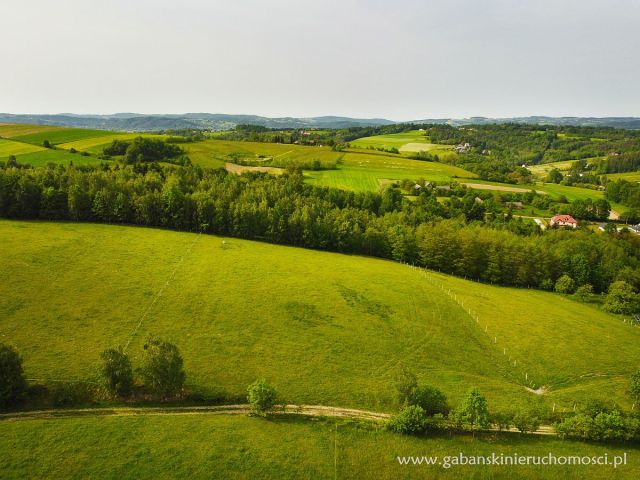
(162, 368)
(526, 422)
(406, 385)
(13, 385)
(412, 420)
(261, 396)
(117, 372)
(431, 400)
(565, 284)
(584, 292)
(65, 394)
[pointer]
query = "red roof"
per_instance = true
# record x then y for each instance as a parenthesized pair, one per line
(563, 219)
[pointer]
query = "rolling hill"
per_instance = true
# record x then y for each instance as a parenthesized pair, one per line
(240, 310)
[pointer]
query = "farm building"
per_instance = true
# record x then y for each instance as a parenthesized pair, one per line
(563, 221)
(515, 205)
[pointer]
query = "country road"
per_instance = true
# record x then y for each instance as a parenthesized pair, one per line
(238, 409)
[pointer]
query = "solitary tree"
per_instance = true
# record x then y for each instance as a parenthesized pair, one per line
(261, 396)
(406, 384)
(565, 284)
(117, 372)
(474, 411)
(162, 367)
(621, 298)
(12, 382)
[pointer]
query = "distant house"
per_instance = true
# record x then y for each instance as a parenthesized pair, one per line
(417, 186)
(478, 200)
(634, 228)
(563, 221)
(443, 187)
(463, 147)
(516, 205)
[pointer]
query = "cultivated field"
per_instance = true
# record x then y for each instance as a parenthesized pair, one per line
(241, 310)
(236, 447)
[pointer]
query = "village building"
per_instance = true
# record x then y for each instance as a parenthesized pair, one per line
(563, 221)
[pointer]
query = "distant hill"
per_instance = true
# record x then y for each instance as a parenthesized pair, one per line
(617, 122)
(221, 121)
(213, 121)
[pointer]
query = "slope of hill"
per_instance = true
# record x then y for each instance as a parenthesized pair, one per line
(240, 310)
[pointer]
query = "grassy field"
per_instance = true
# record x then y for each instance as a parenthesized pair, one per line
(62, 135)
(9, 147)
(10, 130)
(628, 176)
(369, 171)
(337, 336)
(406, 142)
(240, 447)
(542, 170)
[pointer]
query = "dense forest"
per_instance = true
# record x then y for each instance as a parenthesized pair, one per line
(457, 237)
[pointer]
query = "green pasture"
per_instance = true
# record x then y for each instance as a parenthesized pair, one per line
(239, 447)
(43, 157)
(9, 147)
(406, 142)
(368, 171)
(540, 171)
(10, 130)
(241, 310)
(61, 135)
(628, 176)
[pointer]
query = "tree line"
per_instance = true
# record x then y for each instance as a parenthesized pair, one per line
(456, 238)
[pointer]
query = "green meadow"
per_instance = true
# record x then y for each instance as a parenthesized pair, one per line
(241, 310)
(9, 147)
(238, 447)
(628, 176)
(59, 136)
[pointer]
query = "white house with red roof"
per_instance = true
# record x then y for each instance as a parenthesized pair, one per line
(563, 221)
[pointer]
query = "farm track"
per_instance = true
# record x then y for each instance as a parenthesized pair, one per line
(237, 409)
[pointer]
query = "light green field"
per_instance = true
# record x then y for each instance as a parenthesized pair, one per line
(542, 170)
(8, 147)
(9, 130)
(628, 176)
(406, 142)
(368, 171)
(214, 153)
(334, 336)
(46, 156)
(230, 447)
(95, 145)
(61, 135)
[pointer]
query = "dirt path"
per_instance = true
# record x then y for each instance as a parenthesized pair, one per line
(238, 409)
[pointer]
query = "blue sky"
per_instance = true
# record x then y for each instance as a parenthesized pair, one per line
(402, 60)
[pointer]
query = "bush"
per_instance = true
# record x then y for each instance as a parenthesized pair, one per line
(162, 368)
(431, 400)
(261, 396)
(66, 394)
(13, 385)
(565, 284)
(406, 385)
(526, 422)
(412, 420)
(117, 372)
(584, 292)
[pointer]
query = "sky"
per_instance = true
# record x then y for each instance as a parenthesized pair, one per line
(401, 59)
